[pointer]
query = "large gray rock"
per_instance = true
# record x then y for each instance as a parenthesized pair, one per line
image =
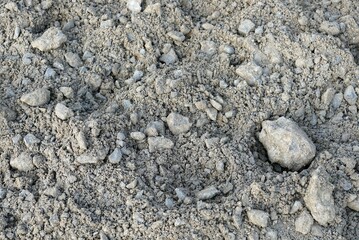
(286, 143)
(178, 124)
(36, 98)
(318, 197)
(52, 38)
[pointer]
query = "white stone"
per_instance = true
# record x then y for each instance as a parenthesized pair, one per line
(63, 112)
(304, 223)
(251, 73)
(36, 98)
(30, 140)
(212, 113)
(245, 27)
(52, 38)
(23, 162)
(159, 143)
(331, 28)
(209, 47)
(134, 5)
(68, 92)
(137, 75)
(353, 202)
(318, 197)
(138, 136)
(178, 124)
(169, 57)
(286, 143)
(258, 217)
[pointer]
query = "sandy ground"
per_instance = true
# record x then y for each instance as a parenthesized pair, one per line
(142, 119)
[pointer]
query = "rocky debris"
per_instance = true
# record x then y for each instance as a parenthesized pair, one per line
(212, 113)
(73, 59)
(63, 112)
(153, 9)
(209, 48)
(23, 162)
(180, 194)
(36, 98)
(350, 95)
(134, 5)
(115, 157)
(81, 140)
(331, 28)
(296, 207)
(286, 143)
(318, 197)
(138, 136)
(169, 56)
(137, 75)
(31, 140)
(353, 202)
(176, 36)
(178, 124)
(51, 39)
(245, 27)
(304, 223)
(258, 217)
(251, 73)
(328, 96)
(68, 92)
(95, 81)
(207, 193)
(159, 143)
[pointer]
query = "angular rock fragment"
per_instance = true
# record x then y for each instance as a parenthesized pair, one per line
(176, 36)
(134, 5)
(116, 156)
(63, 112)
(258, 217)
(245, 27)
(350, 95)
(331, 28)
(7, 113)
(36, 98)
(169, 57)
(92, 158)
(209, 48)
(52, 38)
(304, 223)
(251, 73)
(73, 59)
(207, 193)
(155, 128)
(178, 124)
(286, 143)
(353, 202)
(159, 143)
(318, 197)
(138, 136)
(23, 162)
(30, 140)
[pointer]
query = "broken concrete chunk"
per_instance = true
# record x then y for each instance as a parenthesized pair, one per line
(178, 124)
(23, 162)
(51, 39)
(286, 143)
(319, 198)
(251, 73)
(134, 5)
(207, 193)
(304, 223)
(36, 98)
(63, 112)
(245, 27)
(331, 28)
(159, 143)
(258, 217)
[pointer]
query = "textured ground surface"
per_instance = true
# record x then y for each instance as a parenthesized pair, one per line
(112, 71)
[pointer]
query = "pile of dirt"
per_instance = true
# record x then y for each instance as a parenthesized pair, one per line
(142, 119)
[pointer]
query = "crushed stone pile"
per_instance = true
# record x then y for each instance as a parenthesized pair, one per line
(179, 119)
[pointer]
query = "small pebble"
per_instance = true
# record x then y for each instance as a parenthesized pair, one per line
(68, 92)
(350, 95)
(209, 48)
(73, 59)
(49, 73)
(207, 193)
(331, 28)
(31, 140)
(134, 5)
(169, 57)
(180, 194)
(115, 157)
(304, 223)
(212, 113)
(176, 36)
(63, 112)
(177, 123)
(138, 136)
(251, 73)
(159, 143)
